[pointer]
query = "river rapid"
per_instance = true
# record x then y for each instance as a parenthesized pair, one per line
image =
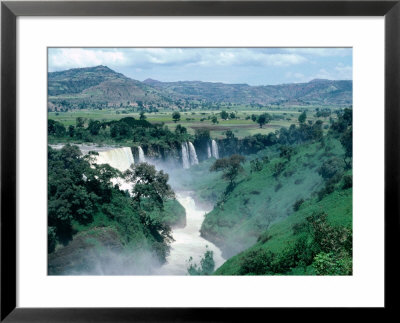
(188, 242)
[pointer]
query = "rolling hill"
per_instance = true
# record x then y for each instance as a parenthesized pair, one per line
(99, 86)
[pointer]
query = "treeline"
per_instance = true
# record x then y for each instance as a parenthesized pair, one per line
(127, 129)
(81, 197)
(306, 131)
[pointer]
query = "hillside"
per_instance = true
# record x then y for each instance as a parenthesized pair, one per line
(100, 87)
(96, 87)
(316, 92)
(268, 194)
(302, 244)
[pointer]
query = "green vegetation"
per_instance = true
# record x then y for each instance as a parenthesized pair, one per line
(280, 195)
(100, 88)
(276, 183)
(308, 242)
(206, 267)
(82, 199)
(126, 131)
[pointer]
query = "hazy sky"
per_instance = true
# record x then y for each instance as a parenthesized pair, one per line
(254, 66)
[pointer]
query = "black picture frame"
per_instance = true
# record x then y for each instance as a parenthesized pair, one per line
(10, 10)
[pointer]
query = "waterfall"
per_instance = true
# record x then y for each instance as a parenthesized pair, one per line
(185, 156)
(192, 153)
(142, 158)
(119, 158)
(208, 150)
(214, 149)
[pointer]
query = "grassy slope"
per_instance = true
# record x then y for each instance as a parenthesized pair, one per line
(337, 205)
(261, 199)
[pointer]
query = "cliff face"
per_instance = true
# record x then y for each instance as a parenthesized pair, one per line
(157, 152)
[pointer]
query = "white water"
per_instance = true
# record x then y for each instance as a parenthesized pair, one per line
(185, 156)
(119, 158)
(208, 150)
(142, 158)
(192, 154)
(214, 149)
(188, 242)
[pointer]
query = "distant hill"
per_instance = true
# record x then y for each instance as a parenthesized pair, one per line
(98, 86)
(101, 87)
(320, 92)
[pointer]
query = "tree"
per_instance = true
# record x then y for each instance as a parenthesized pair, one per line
(347, 142)
(302, 117)
(80, 122)
(180, 129)
(142, 116)
(286, 152)
(224, 115)
(254, 117)
(214, 119)
(229, 134)
(207, 265)
(263, 119)
(94, 127)
(176, 116)
(331, 167)
(231, 167)
(150, 184)
(68, 198)
(71, 130)
(55, 128)
(232, 115)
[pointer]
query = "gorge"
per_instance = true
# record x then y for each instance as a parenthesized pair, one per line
(187, 242)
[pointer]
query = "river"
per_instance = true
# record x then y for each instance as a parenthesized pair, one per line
(188, 242)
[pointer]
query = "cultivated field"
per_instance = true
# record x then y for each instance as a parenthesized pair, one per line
(242, 125)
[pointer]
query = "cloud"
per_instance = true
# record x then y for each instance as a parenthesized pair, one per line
(62, 58)
(322, 52)
(340, 72)
(296, 77)
(251, 57)
(344, 71)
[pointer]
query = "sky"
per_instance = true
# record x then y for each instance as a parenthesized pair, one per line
(254, 66)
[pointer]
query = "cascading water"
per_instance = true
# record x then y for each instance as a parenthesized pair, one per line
(185, 156)
(119, 158)
(208, 150)
(192, 154)
(142, 158)
(214, 149)
(188, 242)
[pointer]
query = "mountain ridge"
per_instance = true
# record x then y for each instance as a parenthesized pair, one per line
(101, 85)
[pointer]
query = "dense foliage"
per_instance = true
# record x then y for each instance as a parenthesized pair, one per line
(126, 130)
(81, 197)
(302, 164)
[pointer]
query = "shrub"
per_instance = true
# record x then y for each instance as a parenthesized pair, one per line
(347, 182)
(278, 169)
(206, 266)
(331, 167)
(297, 204)
(257, 262)
(299, 181)
(278, 187)
(328, 188)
